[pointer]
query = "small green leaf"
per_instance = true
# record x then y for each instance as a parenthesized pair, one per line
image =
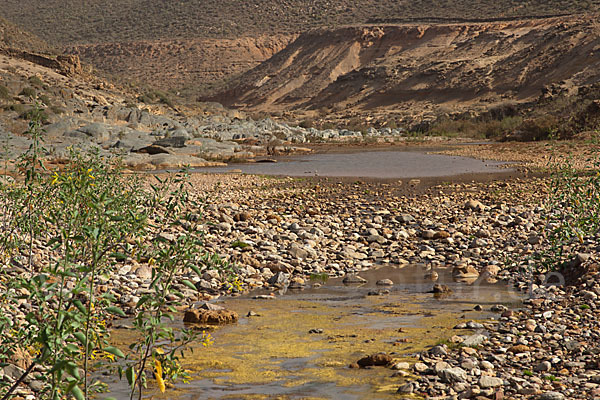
(196, 269)
(73, 369)
(80, 306)
(189, 284)
(119, 256)
(116, 311)
(142, 301)
(114, 351)
(71, 348)
(130, 374)
(77, 393)
(81, 337)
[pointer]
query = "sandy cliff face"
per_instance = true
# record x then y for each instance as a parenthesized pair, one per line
(422, 69)
(181, 64)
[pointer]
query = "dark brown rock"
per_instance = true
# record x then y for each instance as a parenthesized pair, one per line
(440, 289)
(242, 216)
(520, 348)
(378, 359)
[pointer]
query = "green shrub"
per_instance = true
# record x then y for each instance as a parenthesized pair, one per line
(539, 128)
(307, 123)
(19, 108)
(90, 217)
(57, 110)
(36, 81)
(4, 93)
(573, 210)
(156, 96)
(30, 112)
(357, 124)
(45, 99)
(28, 92)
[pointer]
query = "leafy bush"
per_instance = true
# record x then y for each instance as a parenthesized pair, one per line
(36, 81)
(573, 210)
(90, 217)
(28, 92)
(19, 108)
(540, 128)
(307, 123)
(45, 99)
(156, 96)
(4, 93)
(475, 128)
(57, 110)
(30, 113)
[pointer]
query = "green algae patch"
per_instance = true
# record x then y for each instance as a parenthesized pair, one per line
(277, 347)
(300, 345)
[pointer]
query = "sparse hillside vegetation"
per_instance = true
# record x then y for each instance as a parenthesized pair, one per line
(97, 21)
(14, 37)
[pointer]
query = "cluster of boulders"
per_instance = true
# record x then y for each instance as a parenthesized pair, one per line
(150, 141)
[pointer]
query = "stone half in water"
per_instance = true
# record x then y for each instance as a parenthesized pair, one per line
(440, 289)
(353, 280)
(210, 314)
(379, 359)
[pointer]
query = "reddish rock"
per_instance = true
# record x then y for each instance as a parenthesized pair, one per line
(203, 316)
(520, 348)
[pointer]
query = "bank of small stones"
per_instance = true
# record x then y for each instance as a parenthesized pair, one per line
(546, 350)
(277, 233)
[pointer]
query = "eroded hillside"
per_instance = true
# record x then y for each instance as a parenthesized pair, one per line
(188, 66)
(419, 71)
(65, 22)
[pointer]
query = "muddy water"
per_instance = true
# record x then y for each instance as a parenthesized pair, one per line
(369, 164)
(273, 355)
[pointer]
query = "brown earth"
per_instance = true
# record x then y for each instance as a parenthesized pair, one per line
(421, 71)
(13, 37)
(579, 154)
(184, 65)
(63, 22)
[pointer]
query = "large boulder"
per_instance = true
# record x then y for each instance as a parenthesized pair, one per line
(97, 131)
(210, 314)
(379, 359)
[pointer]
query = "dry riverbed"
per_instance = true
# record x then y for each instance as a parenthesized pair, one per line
(543, 155)
(278, 232)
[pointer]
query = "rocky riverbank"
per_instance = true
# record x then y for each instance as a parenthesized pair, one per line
(276, 233)
(279, 231)
(547, 350)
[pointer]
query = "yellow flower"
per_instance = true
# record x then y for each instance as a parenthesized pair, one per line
(54, 178)
(206, 339)
(158, 375)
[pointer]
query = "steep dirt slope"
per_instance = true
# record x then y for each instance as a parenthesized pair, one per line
(188, 66)
(13, 37)
(422, 70)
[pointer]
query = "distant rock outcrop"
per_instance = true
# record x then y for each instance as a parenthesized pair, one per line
(422, 70)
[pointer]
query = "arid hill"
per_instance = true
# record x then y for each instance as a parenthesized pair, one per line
(419, 71)
(187, 66)
(13, 37)
(64, 22)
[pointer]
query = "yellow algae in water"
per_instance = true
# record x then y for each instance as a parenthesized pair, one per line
(259, 350)
(275, 348)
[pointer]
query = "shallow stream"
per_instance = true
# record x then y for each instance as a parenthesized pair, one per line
(273, 355)
(386, 164)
